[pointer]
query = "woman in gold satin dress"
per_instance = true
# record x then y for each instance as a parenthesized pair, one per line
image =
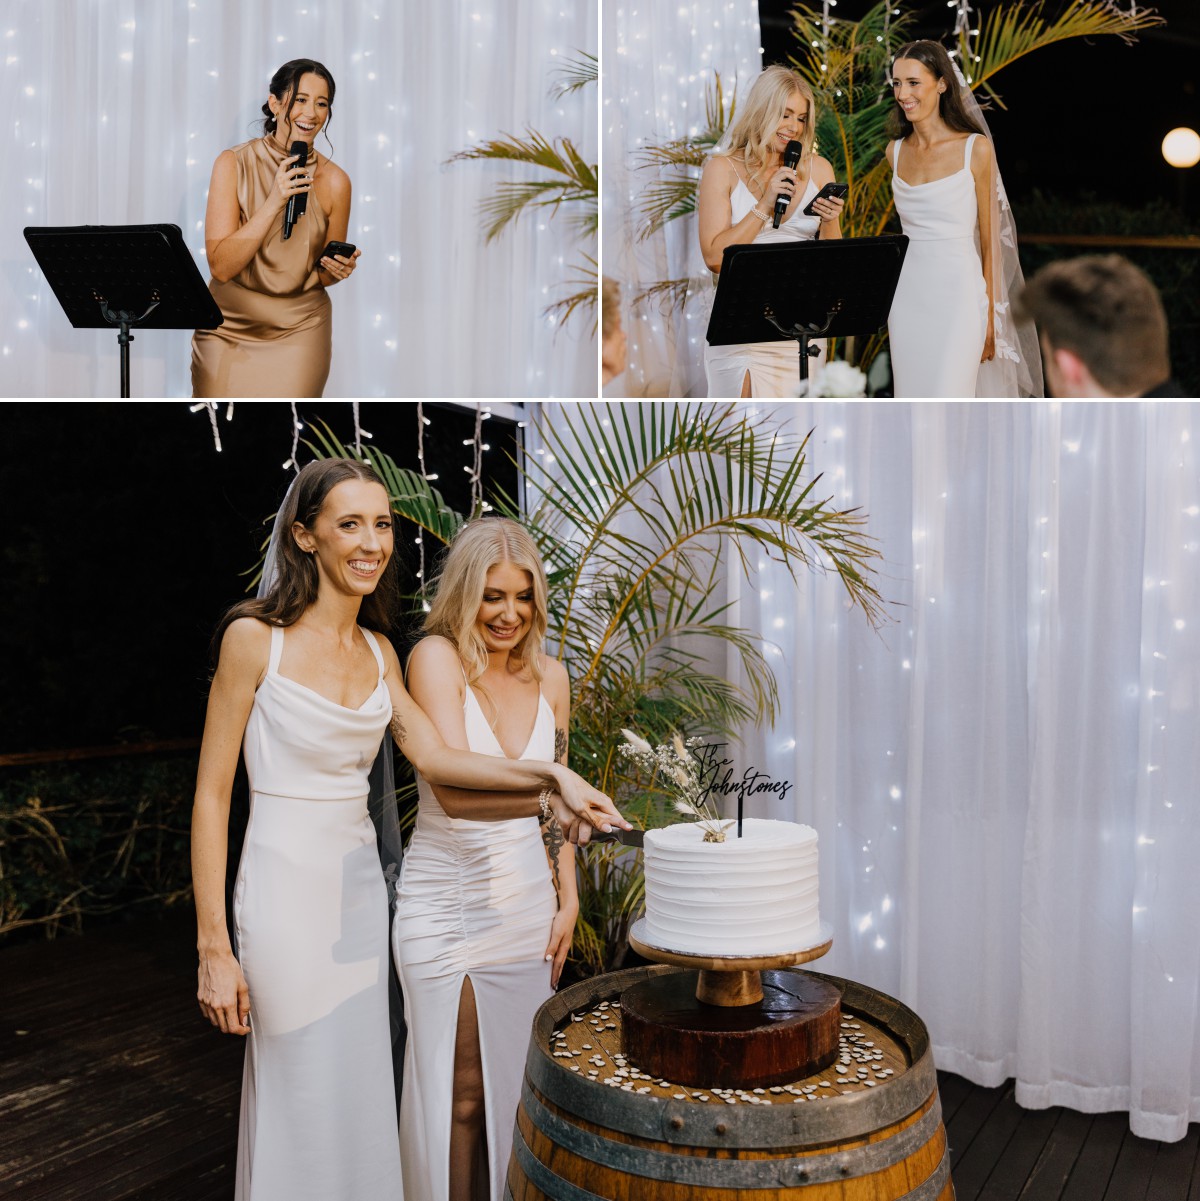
(276, 338)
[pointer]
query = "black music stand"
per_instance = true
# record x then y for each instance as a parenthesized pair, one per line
(124, 276)
(805, 290)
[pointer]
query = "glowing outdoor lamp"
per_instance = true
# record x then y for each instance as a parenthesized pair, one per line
(1181, 147)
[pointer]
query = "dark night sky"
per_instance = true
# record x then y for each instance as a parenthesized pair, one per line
(1082, 117)
(125, 538)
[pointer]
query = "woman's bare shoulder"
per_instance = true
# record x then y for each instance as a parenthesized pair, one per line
(337, 177)
(822, 170)
(554, 672)
(981, 151)
(245, 646)
(435, 653)
(386, 650)
(556, 684)
(721, 166)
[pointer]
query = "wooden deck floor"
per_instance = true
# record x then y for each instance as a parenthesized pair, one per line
(112, 1088)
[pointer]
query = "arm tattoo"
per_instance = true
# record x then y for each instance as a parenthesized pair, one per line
(552, 836)
(399, 733)
(560, 745)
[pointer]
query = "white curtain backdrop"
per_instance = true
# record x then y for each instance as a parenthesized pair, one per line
(1004, 781)
(657, 60)
(119, 107)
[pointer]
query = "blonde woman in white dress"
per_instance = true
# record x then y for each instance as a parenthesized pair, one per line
(307, 680)
(487, 898)
(735, 206)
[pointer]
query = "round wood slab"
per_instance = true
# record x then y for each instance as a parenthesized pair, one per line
(791, 1032)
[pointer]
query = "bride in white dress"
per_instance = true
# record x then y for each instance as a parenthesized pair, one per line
(311, 689)
(735, 207)
(487, 898)
(949, 328)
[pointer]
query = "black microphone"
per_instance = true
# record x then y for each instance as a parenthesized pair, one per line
(791, 158)
(298, 201)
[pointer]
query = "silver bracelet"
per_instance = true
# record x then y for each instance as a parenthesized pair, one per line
(547, 814)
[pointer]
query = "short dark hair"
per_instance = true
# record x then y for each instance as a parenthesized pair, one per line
(1108, 312)
(933, 56)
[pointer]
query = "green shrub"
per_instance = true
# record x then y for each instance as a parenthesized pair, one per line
(82, 840)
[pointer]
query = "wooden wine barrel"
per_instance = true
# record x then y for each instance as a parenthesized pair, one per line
(824, 1138)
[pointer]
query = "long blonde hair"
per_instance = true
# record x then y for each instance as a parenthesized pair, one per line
(478, 547)
(758, 117)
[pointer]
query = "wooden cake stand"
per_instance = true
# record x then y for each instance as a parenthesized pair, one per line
(733, 1021)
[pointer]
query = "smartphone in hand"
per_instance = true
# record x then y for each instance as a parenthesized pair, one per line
(831, 191)
(345, 249)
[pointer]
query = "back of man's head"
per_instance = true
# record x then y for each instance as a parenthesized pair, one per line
(1107, 313)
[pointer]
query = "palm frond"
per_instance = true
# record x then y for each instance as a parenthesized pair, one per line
(668, 294)
(510, 199)
(682, 152)
(574, 74)
(673, 195)
(667, 199)
(1011, 31)
(576, 187)
(686, 474)
(534, 149)
(585, 280)
(410, 494)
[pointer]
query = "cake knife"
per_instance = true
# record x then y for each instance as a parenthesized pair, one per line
(630, 838)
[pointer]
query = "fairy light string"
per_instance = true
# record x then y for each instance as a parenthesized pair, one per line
(964, 33)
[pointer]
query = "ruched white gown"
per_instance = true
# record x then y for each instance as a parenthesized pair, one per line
(318, 1115)
(774, 367)
(938, 321)
(475, 899)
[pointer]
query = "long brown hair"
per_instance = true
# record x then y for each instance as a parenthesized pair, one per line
(950, 106)
(296, 578)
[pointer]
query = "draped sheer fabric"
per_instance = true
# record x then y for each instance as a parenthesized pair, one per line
(1004, 779)
(121, 106)
(658, 59)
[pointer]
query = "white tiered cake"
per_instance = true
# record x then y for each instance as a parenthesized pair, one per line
(754, 895)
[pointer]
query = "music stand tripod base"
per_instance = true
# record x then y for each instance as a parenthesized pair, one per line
(733, 1021)
(125, 277)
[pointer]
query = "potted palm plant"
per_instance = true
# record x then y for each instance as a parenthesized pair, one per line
(641, 512)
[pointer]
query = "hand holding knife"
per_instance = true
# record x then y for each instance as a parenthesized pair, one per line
(629, 838)
(583, 811)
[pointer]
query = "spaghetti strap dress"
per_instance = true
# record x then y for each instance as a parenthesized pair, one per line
(318, 1114)
(276, 339)
(938, 321)
(475, 899)
(774, 367)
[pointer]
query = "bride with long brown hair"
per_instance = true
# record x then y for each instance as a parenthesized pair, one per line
(950, 330)
(307, 682)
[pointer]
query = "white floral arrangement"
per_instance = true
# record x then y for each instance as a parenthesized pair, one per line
(678, 769)
(839, 378)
